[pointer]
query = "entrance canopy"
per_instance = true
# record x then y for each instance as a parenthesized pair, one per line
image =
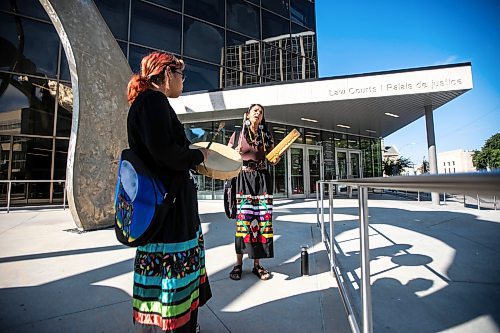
(374, 104)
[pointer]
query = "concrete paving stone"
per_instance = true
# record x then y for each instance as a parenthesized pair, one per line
(432, 269)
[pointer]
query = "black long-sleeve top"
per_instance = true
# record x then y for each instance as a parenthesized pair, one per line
(157, 136)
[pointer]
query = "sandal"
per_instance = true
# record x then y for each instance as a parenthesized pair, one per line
(261, 272)
(235, 274)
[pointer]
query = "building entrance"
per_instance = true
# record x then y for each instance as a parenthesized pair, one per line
(348, 165)
(304, 169)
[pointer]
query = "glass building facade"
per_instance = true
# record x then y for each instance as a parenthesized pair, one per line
(225, 43)
(314, 155)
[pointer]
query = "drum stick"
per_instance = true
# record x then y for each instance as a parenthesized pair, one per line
(221, 126)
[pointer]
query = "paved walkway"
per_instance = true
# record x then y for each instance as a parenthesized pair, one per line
(433, 269)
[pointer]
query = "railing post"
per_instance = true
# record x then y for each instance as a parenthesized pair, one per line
(322, 212)
(317, 203)
(418, 196)
(330, 204)
(478, 202)
(9, 186)
(64, 196)
(444, 198)
(366, 301)
(495, 202)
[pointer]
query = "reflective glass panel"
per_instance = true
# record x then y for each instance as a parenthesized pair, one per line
(243, 17)
(341, 165)
(136, 53)
(155, 27)
(242, 53)
(273, 62)
(208, 10)
(64, 74)
(302, 12)
(201, 76)
(234, 78)
(278, 6)
(60, 159)
(377, 156)
(203, 41)
(297, 170)
(64, 110)
(312, 136)
(31, 8)
(355, 165)
(367, 157)
(353, 142)
(4, 155)
(278, 172)
(123, 47)
(303, 41)
(340, 140)
(198, 132)
(28, 104)
(314, 156)
(31, 158)
(174, 4)
(274, 26)
(40, 46)
(311, 69)
(328, 155)
(115, 13)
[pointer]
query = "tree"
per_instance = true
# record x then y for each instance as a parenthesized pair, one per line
(489, 156)
(424, 167)
(395, 167)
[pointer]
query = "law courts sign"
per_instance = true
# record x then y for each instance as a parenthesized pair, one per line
(405, 82)
(416, 82)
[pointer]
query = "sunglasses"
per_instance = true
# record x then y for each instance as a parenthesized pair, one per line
(183, 76)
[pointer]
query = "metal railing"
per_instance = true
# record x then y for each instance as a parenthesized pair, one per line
(475, 184)
(10, 182)
(478, 200)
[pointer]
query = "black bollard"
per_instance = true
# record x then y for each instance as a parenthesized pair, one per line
(304, 261)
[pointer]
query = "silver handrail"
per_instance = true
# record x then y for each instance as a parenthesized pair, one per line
(467, 183)
(23, 181)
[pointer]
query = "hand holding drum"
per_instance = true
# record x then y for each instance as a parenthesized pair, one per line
(221, 162)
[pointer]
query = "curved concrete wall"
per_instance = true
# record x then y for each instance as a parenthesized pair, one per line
(99, 76)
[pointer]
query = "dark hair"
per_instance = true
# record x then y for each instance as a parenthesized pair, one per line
(152, 70)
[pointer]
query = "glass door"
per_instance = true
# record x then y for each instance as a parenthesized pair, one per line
(354, 158)
(348, 164)
(296, 171)
(315, 171)
(305, 168)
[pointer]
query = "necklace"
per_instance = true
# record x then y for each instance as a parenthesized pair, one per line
(253, 140)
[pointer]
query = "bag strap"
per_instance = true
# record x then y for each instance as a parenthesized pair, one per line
(170, 195)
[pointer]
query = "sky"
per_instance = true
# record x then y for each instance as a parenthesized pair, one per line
(371, 36)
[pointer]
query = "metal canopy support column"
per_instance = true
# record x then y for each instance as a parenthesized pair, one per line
(431, 144)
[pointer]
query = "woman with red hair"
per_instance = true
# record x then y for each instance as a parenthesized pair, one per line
(170, 280)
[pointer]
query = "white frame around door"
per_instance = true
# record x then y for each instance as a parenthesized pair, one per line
(348, 153)
(306, 179)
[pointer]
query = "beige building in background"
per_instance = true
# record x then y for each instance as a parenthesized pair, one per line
(455, 161)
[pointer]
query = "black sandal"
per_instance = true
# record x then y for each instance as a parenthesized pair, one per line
(261, 272)
(235, 274)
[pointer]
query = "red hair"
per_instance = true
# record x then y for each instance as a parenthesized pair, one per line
(152, 65)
